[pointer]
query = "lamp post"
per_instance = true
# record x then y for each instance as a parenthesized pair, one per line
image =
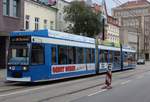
(102, 37)
(103, 28)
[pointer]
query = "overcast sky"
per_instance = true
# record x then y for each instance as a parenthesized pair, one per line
(110, 3)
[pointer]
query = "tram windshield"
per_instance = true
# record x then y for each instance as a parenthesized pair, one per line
(18, 55)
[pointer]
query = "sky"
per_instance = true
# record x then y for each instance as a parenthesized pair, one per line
(110, 3)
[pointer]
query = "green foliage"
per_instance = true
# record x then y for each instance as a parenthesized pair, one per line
(85, 20)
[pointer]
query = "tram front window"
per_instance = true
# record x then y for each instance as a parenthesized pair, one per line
(18, 55)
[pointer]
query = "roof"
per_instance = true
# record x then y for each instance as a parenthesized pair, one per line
(112, 20)
(66, 1)
(42, 4)
(133, 4)
(55, 34)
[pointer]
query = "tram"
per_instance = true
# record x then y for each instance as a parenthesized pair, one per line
(43, 55)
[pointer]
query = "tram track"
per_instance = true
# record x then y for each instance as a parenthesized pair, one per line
(87, 88)
(69, 93)
(17, 86)
(62, 86)
(5, 83)
(12, 89)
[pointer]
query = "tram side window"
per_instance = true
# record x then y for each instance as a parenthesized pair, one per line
(117, 57)
(125, 58)
(93, 56)
(37, 54)
(111, 57)
(62, 55)
(80, 55)
(66, 55)
(103, 56)
(54, 55)
(88, 55)
(71, 58)
(131, 58)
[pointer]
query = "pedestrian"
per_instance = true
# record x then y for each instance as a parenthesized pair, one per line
(108, 78)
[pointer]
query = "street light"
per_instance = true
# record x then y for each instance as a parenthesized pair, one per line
(102, 37)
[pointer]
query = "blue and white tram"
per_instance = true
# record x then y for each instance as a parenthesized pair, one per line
(49, 55)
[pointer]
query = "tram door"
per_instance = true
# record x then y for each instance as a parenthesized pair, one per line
(117, 60)
(104, 58)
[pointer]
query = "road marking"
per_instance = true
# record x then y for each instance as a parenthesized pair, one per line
(125, 82)
(97, 92)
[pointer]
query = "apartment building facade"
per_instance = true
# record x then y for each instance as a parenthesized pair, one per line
(113, 28)
(61, 24)
(134, 17)
(11, 19)
(38, 15)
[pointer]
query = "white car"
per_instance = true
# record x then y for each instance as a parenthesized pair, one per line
(141, 61)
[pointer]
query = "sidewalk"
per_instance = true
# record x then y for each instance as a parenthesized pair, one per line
(2, 73)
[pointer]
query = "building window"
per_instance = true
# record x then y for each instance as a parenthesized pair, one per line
(27, 22)
(10, 7)
(45, 24)
(59, 5)
(5, 7)
(52, 25)
(36, 23)
(60, 16)
(15, 6)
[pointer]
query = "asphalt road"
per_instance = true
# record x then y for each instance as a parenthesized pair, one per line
(135, 89)
(128, 86)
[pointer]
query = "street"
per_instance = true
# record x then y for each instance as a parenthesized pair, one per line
(134, 89)
(127, 86)
(59, 50)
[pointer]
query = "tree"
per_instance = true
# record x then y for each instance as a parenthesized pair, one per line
(85, 20)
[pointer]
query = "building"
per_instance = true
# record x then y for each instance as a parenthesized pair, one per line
(49, 2)
(11, 19)
(96, 8)
(112, 28)
(112, 35)
(38, 15)
(134, 17)
(61, 24)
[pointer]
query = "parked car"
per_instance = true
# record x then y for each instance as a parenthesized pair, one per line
(141, 61)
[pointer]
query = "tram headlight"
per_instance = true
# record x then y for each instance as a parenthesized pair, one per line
(13, 68)
(25, 68)
(10, 67)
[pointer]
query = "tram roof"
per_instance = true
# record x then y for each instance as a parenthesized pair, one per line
(55, 34)
(65, 36)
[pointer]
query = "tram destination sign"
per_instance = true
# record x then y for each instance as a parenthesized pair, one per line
(20, 39)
